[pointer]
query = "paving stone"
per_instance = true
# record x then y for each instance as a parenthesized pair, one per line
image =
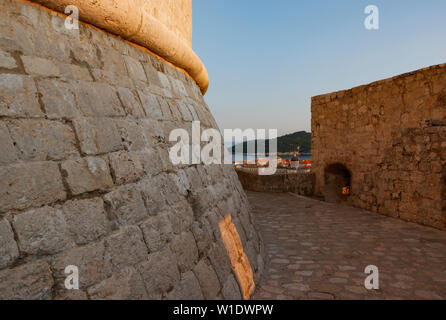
(31, 281)
(97, 135)
(86, 175)
(30, 184)
(322, 250)
(9, 251)
(42, 231)
(187, 289)
(40, 140)
(125, 285)
(86, 219)
(126, 248)
(160, 273)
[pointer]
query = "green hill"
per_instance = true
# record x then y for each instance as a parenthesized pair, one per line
(287, 143)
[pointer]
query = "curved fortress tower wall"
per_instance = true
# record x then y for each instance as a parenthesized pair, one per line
(389, 139)
(85, 176)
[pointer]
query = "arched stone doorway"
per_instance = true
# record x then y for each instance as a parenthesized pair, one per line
(337, 186)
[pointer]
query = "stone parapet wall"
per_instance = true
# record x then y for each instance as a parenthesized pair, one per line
(85, 176)
(300, 183)
(390, 136)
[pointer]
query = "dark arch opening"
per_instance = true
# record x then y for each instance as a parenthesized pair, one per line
(337, 186)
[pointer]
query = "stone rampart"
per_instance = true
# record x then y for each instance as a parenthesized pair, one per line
(300, 183)
(86, 179)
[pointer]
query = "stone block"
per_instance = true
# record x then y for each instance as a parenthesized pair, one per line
(125, 285)
(40, 140)
(32, 281)
(42, 231)
(152, 75)
(86, 219)
(125, 167)
(185, 249)
(94, 266)
(181, 216)
(126, 248)
(150, 161)
(150, 104)
(157, 232)
(86, 175)
(203, 235)
(181, 180)
(220, 261)
(112, 78)
(18, 96)
(97, 135)
(152, 130)
(58, 99)
(132, 135)
(8, 152)
(185, 112)
(7, 61)
(130, 102)
(150, 191)
(97, 99)
(127, 205)
(165, 109)
(9, 251)
(71, 295)
(187, 289)
(160, 273)
(30, 184)
(135, 69)
(210, 286)
(40, 66)
(231, 290)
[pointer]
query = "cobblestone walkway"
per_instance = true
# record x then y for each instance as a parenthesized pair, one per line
(318, 250)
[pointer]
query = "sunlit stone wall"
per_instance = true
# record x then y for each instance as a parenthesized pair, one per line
(390, 137)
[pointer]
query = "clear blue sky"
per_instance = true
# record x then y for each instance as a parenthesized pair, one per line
(267, 58)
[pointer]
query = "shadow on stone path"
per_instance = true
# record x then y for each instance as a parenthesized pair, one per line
(318, 250)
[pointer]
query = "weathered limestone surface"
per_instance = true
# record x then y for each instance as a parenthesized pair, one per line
(379, 133)
(85, 175)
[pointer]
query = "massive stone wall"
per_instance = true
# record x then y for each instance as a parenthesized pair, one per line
(86, 180)
(390, 138)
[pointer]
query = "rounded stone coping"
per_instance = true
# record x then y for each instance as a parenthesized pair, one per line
(129, 20)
